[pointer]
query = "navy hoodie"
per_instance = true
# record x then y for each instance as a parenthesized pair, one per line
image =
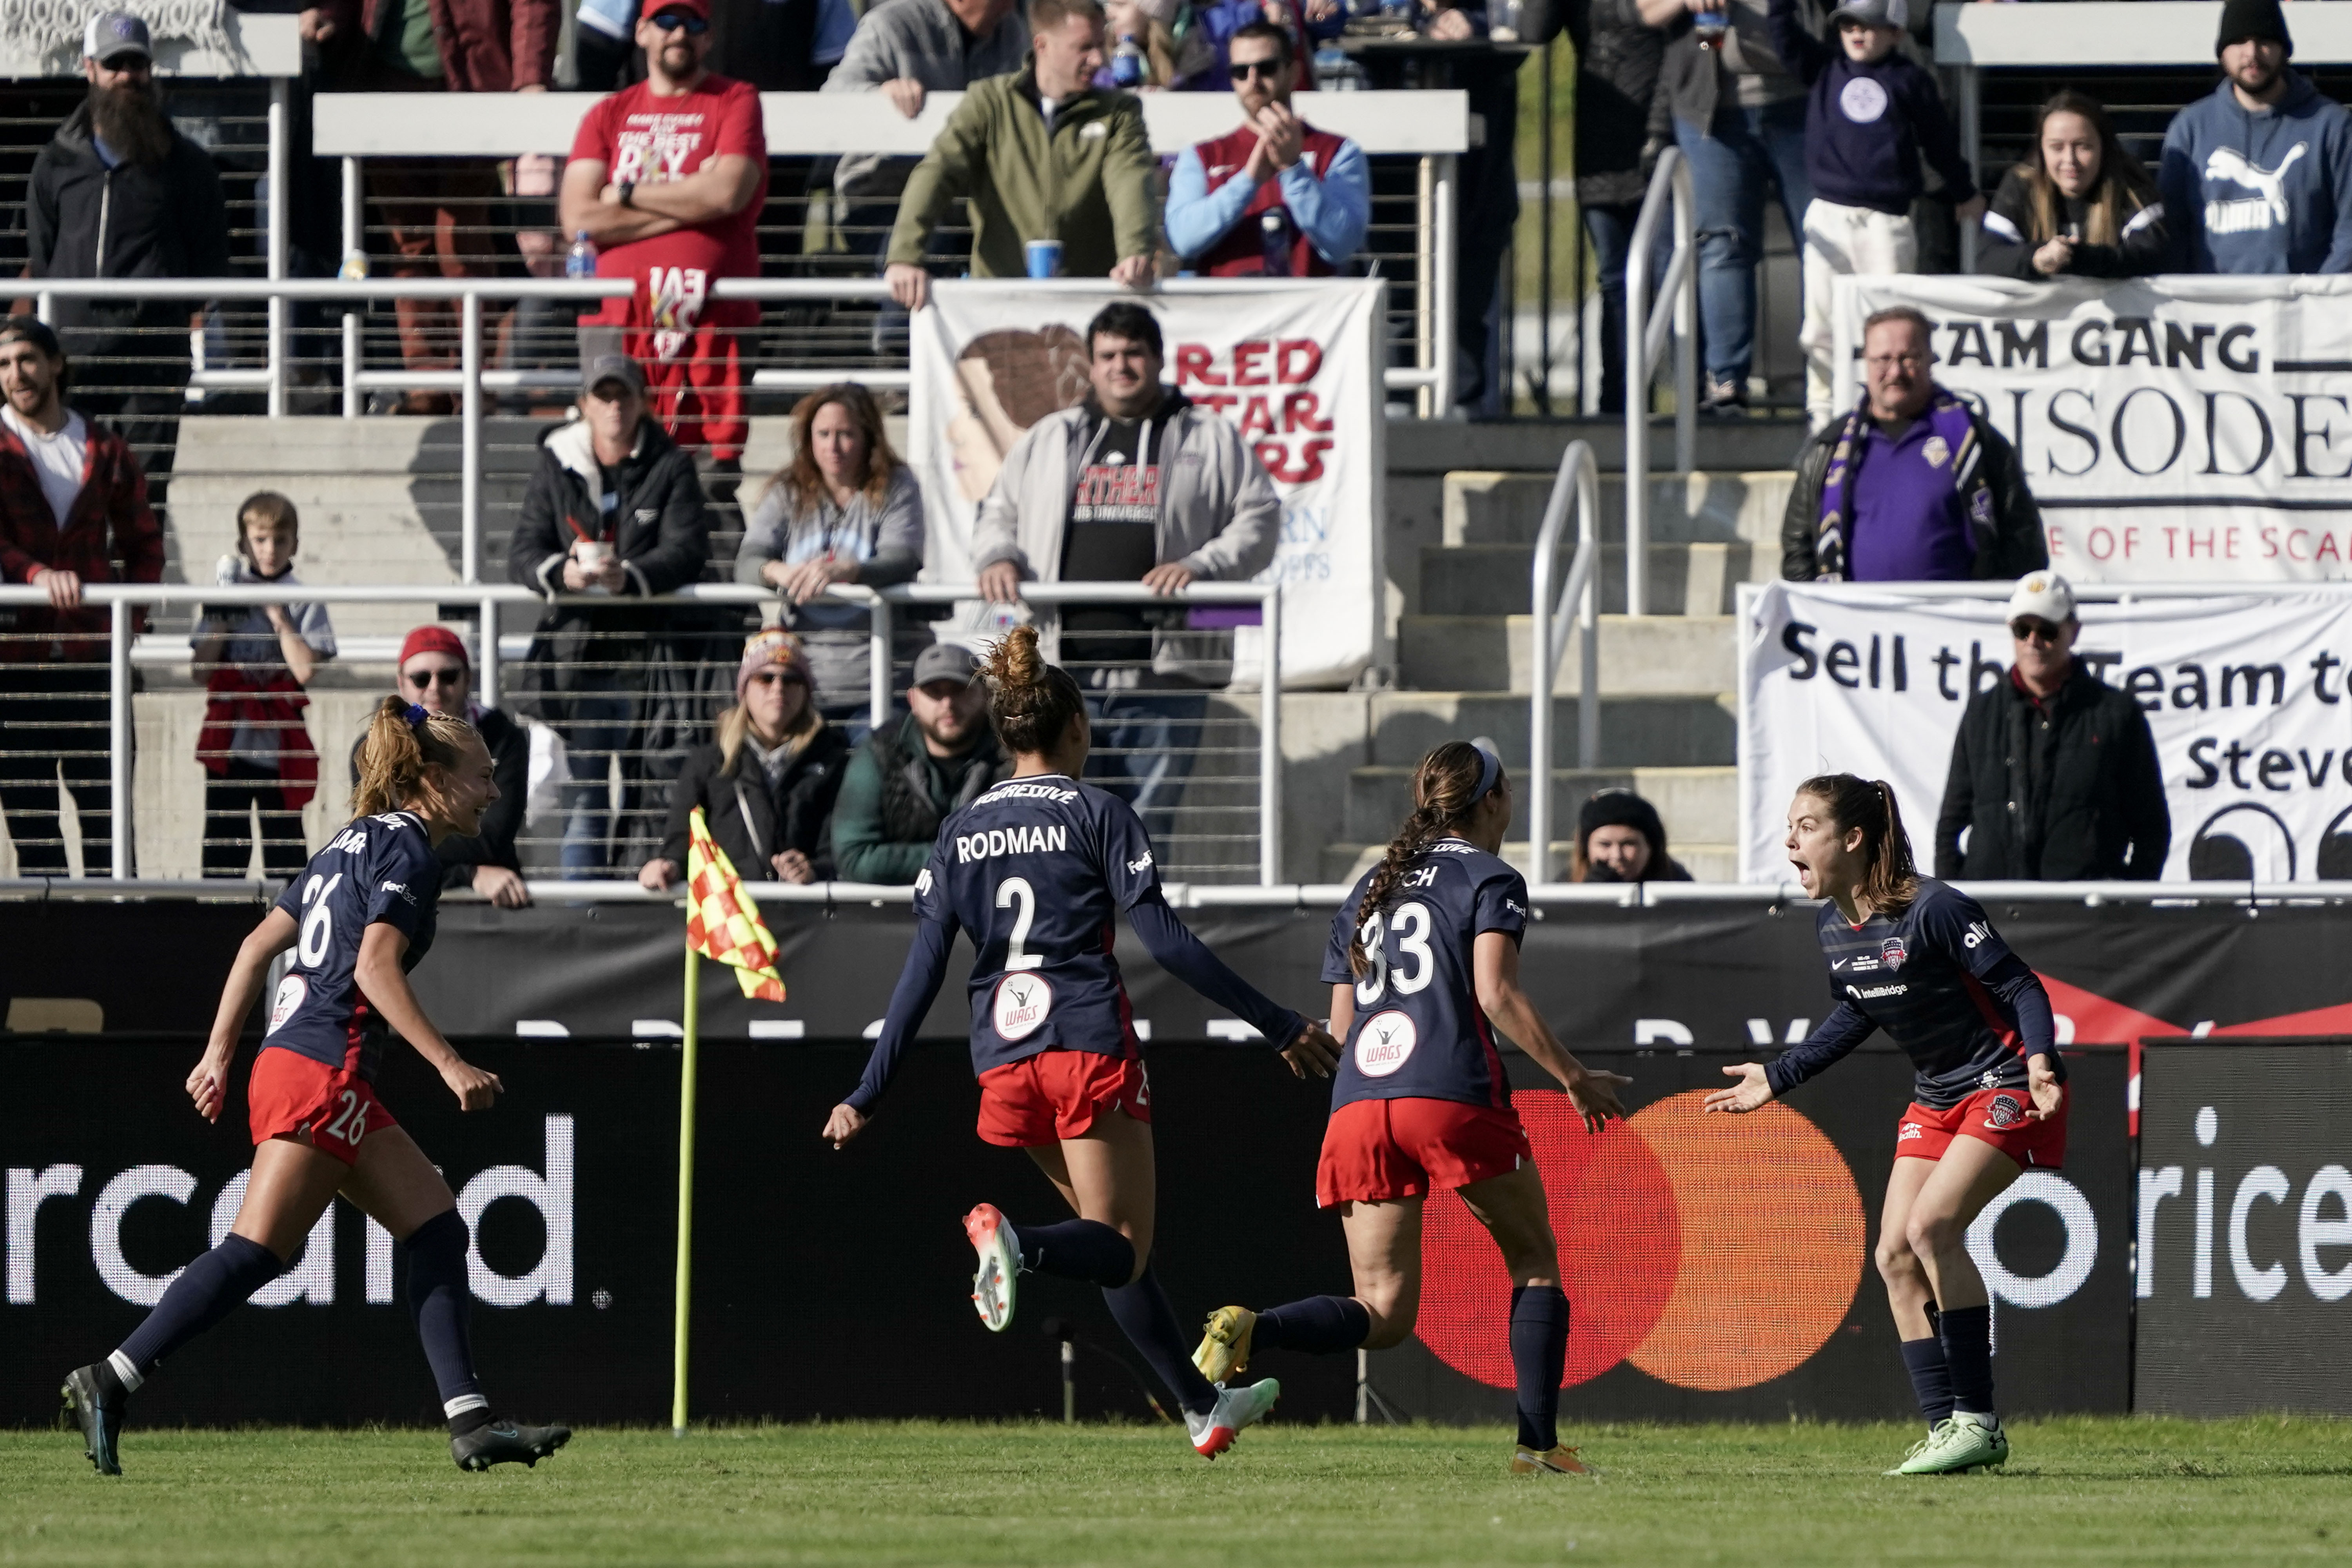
(2266, 191)
(1868, 126)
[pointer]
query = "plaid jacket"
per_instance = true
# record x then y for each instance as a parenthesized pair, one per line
(111, 536)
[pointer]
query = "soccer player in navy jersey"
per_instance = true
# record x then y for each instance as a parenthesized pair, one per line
(1423, 966)
(1037, 869)
(359, 918)
(1918, 959)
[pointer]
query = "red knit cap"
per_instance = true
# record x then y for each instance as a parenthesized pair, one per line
(435, 640)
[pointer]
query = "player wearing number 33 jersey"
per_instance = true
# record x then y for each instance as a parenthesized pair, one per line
(1038, 872)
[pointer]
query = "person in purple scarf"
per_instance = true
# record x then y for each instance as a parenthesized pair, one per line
(1913, 486)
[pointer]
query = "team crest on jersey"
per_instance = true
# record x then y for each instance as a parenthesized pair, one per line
(1385, 1043)
(2005, 1110)
(291, 993)
(1892, 952)
(1021, 1002)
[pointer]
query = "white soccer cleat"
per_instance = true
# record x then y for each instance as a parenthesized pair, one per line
(1236, 1407)
(999, 1265)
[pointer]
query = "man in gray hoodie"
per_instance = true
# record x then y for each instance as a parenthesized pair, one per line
(2257, 177)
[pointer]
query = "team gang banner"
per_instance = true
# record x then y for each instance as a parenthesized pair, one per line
(2174, 429)
(2246, 697)
(1296, 364)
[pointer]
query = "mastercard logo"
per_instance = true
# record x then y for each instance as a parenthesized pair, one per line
(1711, 1252)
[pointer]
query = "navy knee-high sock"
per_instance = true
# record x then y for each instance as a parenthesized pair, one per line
(1968, 1347)
(1084, 1249)
(1319, 1325)
(1931, 1377)
(1142, 1311)
(440, 1299)
(206, 1291)
(1539, 1357)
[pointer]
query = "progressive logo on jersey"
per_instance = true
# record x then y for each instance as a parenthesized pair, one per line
(1385, 1043)
(1023, 1002)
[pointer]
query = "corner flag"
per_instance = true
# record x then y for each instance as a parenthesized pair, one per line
(722, 923)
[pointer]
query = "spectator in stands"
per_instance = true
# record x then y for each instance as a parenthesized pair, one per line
(1040, 154)
(1617, 59)
(1185, 60)
(118, 192)
(73, 510)
(1619, 837)
(1219, 22)
(844, 509)
(1739, 118)
(613, 508)
(767, 785)
(906, 50)
(1913, 486)
(1275, 197)
(777, 46)
(2054, 772)
(1138, 483)
(437, 212)
(1870, 117)
(668, 179)
(437, 675)
(256, 661)
(2258, 176)
(903, 782)
(2079, 204)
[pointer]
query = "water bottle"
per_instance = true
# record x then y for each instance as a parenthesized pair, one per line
(582, 261)
(1127, 62)
(1710, 25)
(356, 266)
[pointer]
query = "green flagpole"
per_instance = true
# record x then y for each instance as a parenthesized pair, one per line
(687, 1072)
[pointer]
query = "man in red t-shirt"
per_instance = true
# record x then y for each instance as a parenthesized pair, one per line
(667, 178)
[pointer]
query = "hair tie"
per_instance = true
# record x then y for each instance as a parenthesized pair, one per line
(416, 715)
(1490, 768)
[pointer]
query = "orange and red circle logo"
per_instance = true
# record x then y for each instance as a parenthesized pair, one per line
(1713, 1252)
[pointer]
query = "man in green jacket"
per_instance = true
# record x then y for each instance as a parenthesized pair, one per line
(909, 778)
(1040, 154)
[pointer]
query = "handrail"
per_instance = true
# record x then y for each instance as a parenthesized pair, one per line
(1579, 481)
(1645, 344)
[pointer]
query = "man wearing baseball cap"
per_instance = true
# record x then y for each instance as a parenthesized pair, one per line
(2054, 774)
(908, 776)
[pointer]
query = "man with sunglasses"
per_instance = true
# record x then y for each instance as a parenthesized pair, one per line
(2054, 772)
(667, 178)
(1275, 197)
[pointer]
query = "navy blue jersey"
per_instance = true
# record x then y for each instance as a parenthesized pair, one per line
(1418, 1032)
(379, 868)
(1036, 869)
(1940, 980)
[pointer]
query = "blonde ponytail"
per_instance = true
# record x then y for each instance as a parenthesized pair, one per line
(403, 740)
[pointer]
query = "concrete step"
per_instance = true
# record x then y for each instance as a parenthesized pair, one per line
(1530, 446)
(1698, 805)
(1692, 579)
(1655, 654)
(1343, 863)
(1500, 508)
(1655, 730)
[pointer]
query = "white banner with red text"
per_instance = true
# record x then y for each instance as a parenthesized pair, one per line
(2246, 696)
(2173, 429)
(1297, 364)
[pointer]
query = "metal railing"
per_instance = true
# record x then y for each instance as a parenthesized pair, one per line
(1646, 333)
(492, 651)
(1577, 486)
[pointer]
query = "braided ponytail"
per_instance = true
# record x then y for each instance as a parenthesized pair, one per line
(1444, 789)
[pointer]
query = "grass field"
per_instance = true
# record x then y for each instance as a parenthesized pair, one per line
(2137, 1491)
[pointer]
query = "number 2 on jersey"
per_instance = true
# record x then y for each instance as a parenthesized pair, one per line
(1411, 928)
(1011, 891)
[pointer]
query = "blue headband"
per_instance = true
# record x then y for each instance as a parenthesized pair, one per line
(1490, 769)
(416, 715)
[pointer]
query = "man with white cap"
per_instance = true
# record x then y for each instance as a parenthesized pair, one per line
(2054, 772)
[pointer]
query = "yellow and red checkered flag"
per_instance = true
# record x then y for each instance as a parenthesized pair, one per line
(722, 923)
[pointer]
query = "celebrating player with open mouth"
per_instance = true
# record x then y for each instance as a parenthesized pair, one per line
(359, 918)
(1424, 965)
(1036, 869)
(1918, 959)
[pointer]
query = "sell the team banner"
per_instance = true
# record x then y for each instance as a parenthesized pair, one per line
(2246, 697)
(1295, 364)
(2173, 429)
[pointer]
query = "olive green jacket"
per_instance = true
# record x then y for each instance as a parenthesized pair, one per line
(1093, 185)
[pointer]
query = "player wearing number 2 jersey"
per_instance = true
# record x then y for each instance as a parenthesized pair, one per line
(1037, 870)
(1423, 966)
(359, 918)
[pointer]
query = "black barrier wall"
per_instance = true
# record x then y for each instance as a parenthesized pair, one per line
(2245, 1226)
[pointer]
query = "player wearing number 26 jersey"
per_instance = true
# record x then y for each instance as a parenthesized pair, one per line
(1423, 964)
(1038, 872)
(358, 919)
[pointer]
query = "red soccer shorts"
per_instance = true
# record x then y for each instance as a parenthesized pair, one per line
(1379, 1150)
(1995, 1115)
(1057, 1094)
(330, 1109)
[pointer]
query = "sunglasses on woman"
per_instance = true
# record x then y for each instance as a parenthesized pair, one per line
(773, 677)
(671, 21)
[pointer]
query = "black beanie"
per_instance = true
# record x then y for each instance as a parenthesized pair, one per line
(1622, 808)
(2243, 19)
